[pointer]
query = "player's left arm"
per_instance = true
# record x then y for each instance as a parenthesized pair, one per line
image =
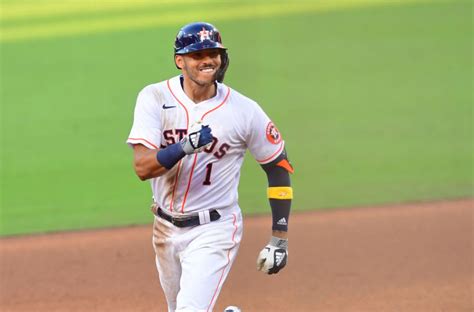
(274, 256)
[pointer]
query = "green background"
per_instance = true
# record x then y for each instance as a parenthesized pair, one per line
(374, 103)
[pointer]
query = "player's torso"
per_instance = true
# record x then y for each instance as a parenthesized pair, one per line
(206, 180)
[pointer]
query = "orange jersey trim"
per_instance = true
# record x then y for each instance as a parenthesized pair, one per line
(180, 103)
(273, 155)
(189, 183)
(181, 161)
(218, 106)
(174, 185)
(141, 139)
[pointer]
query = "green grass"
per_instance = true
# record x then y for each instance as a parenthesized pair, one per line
(375, 105)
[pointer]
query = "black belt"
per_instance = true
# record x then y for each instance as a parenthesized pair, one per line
(188, 220)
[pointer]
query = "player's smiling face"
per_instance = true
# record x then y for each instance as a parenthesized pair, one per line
(201, 66)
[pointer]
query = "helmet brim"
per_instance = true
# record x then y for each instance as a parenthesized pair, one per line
(204, 45)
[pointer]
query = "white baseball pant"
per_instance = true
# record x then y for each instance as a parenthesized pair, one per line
(193, 262)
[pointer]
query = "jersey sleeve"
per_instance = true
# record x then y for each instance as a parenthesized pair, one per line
(146, 127)
(264, 141)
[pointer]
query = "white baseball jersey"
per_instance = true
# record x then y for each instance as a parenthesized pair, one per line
(206, 180)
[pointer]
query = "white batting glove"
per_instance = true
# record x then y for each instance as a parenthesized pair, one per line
(274, 256)
(198, 138)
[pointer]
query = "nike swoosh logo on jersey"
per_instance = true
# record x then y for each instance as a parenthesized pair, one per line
(166, 107)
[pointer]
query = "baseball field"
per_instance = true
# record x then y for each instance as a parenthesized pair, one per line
(374, 101)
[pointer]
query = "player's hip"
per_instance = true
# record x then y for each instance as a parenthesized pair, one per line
(193, 204)
(222, 233)
(194, 216)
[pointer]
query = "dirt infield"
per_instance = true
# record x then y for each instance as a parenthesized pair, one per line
(415, 257)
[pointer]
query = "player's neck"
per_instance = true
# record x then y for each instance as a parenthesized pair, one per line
(198, 93)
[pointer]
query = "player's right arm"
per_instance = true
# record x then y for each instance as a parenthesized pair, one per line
(145, 137)
(145, 162)
(151, 163)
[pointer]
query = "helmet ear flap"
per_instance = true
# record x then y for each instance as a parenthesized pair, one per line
(224, 64)
(176, 64)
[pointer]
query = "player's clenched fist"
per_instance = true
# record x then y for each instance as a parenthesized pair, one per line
(197, 139)
(274, 256)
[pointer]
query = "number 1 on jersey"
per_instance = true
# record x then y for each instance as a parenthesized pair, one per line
(207, 181)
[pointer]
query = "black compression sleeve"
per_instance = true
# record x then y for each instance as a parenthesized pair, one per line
(278, 176)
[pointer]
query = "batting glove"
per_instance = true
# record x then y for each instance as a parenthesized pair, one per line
(274, 256)
(196, 141)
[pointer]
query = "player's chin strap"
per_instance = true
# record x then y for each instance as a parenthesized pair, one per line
(280, 192)
(225, 60)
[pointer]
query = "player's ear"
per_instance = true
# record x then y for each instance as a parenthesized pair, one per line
(179, 61)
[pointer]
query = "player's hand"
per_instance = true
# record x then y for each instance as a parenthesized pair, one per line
(274, 256)
(197, 140)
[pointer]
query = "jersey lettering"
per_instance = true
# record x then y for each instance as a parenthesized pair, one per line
(211, 147)
(181, 133)
(207, 181)
(173, 136)
(169, 138)
(222, 151)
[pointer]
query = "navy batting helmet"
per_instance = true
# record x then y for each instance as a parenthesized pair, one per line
(201, 36)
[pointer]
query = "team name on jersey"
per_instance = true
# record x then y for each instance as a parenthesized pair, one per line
(173, 136)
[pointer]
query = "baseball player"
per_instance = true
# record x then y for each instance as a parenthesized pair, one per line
(189, 137)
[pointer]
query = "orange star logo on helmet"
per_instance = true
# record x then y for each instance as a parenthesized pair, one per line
(273, 135)
(204, 34)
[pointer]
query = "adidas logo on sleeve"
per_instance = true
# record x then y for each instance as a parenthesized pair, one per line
(282, 221)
